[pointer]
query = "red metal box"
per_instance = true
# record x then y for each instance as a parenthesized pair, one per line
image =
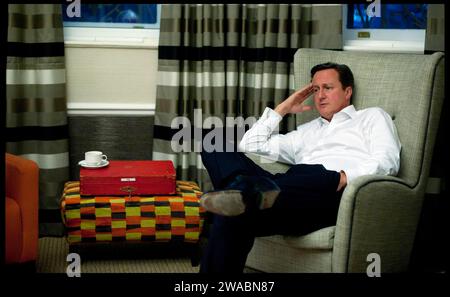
(125, 177)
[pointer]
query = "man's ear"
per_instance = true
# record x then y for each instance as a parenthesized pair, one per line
(348, 93)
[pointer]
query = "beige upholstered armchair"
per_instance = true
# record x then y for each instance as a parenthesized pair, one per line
(377, 214)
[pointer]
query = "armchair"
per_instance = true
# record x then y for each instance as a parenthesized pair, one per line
(377, 214)
(21, 210)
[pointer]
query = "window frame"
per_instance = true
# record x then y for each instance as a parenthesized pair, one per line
(382, 40)
(113, 36)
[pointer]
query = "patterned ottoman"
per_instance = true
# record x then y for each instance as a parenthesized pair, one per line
(175, 218)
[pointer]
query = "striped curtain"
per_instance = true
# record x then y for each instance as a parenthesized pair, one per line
(36, 117)
(435, 33)
(225, 62)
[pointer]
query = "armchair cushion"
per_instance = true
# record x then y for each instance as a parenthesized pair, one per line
(321, 239)
(267, 164)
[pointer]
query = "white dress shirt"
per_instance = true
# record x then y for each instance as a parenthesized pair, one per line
(358, 142)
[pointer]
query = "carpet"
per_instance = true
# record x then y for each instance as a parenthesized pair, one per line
(53, 252)
(115, 258)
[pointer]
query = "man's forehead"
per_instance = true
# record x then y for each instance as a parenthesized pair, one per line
(325, 76)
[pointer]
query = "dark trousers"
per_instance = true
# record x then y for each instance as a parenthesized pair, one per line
(308, 201)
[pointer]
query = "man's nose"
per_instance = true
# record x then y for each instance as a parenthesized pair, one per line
(321, 94)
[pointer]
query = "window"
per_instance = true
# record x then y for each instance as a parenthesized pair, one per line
(385, 27)
(114, 15)
(135, 25)
(392, 16)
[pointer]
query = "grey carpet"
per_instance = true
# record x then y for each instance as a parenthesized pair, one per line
(124, 258)
(54, 250)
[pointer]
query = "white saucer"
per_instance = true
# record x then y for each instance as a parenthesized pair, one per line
(102, 164)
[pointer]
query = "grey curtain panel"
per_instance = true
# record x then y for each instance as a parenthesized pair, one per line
(227, 62)
(36, 117)
(435, 33)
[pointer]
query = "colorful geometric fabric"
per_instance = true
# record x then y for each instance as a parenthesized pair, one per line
(176, 217)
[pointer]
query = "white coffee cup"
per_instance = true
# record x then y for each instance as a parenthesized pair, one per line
(94, 157)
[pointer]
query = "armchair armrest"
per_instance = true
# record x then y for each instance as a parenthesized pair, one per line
(377, 214)
(22, 178)
(22, 185)
(268, 164)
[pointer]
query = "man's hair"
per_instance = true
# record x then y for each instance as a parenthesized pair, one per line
(345, 74)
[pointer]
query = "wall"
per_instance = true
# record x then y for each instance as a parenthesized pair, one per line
(111, 94)
(119, 137)
(97, 74)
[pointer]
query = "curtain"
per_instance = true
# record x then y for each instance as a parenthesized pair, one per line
(435, 32)
(220, 65)
(36, 115)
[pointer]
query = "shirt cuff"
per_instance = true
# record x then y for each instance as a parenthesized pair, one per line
(270, 118)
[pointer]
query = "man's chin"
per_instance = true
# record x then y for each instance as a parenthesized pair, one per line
(326, 117)
(324, 113)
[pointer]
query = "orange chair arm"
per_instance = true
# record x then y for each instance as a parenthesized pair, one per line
(22, 185)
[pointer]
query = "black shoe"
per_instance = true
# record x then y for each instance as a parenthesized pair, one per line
(245, 192)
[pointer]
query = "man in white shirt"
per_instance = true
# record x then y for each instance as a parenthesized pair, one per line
(326, 153)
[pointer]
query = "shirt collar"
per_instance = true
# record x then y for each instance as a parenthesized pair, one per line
(349, 112)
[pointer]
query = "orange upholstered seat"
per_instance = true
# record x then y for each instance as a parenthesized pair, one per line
(21, 209)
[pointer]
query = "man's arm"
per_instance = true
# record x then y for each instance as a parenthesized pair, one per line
(294, 103)
(384, 146)
(261, 138)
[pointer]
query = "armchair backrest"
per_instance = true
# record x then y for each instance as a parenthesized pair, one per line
(409, 87)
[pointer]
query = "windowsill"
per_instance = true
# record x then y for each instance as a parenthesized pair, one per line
(392, 46)
(117, 109)
(149, 44)
(111, 38)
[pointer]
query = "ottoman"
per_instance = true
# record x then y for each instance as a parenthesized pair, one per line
(170, 218)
